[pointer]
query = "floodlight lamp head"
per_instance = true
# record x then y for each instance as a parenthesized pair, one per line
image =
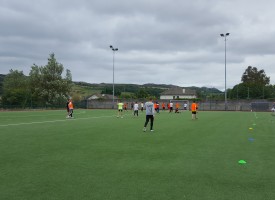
(222, 35)
(116, 49)
(227, 34)
(111, 46)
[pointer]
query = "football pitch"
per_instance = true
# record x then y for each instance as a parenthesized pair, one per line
(97, 156)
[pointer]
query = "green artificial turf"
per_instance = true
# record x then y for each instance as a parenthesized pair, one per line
(98, 156)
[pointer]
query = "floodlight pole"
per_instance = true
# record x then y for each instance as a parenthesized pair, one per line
(225, 90)
(114, 50)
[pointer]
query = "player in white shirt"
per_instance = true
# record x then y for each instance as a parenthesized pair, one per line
(149, 106)
(185, 106)
(171, 107)
(136, 109)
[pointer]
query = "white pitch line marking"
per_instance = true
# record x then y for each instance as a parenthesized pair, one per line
(63, 120)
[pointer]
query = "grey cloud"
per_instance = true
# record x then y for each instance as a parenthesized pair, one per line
(180, 37)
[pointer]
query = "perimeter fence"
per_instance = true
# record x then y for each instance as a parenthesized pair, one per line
(244, 105)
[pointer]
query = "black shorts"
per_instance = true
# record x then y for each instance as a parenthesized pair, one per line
(150, 117)
(119, 110)
(194, 112)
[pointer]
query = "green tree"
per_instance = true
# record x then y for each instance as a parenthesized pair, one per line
(142, 93)
(47, 85)
(127, 96)
(68, 77)
(35, 86)
(255, 84)
(240, 91)
(109, 90)
(252, 76)
(269, 92)
(15, 87)
(2, 77)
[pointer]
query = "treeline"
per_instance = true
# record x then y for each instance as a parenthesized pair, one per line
(43, 87)
(255, 84)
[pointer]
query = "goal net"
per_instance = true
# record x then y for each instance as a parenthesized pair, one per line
(259, 106)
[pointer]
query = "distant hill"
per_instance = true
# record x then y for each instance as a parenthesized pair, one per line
(83, 89)
(87, 89)
(206, 90)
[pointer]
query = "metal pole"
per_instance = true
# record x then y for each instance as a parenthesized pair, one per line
(225, 90)
(113, 79)
(113, 49)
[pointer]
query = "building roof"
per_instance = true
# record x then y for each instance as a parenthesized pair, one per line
(179, 91)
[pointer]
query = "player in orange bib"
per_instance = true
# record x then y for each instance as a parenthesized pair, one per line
(194, 108)
(177, 108)
(163, 106)
(71, 108)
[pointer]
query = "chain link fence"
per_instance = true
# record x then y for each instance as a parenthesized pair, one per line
(245, 105)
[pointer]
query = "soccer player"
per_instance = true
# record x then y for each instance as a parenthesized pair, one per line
(68, 110)
(141, 106)
(120, 109)
(157, 107)
(194, 108)
(171, 107)
(149, 106)
(71, 108)
(163, 106)
(177, 108)
(136, 109)
(125, 106)
(185, 106)
(273, 108)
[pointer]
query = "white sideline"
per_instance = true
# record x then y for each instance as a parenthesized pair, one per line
(63, 120)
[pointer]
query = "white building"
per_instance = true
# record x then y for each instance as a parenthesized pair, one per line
(178, 93)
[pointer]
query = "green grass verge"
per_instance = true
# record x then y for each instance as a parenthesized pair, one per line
(84, 91)
(98, 156)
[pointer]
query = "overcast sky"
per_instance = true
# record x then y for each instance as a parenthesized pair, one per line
(166, 42)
